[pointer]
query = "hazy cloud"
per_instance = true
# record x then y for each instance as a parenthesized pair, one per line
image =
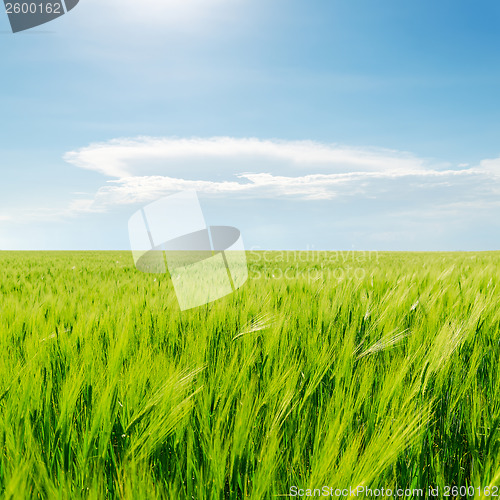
(171, 156)
(145, 168)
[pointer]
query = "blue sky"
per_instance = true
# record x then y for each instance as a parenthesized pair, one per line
(327, 124)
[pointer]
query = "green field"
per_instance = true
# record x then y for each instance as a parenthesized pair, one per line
(337, 370)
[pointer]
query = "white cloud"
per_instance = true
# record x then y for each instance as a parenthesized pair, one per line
(146, 168)
(327, 188)
(140, 170)
(168, 156)
(143, 189)
(491, 166)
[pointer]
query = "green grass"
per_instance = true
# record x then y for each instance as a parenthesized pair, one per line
(340, 370)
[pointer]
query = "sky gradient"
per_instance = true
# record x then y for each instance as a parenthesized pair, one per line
(308, 125)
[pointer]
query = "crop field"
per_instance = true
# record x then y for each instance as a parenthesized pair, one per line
(333, 370)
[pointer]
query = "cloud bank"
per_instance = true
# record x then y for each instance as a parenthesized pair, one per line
(139, 170)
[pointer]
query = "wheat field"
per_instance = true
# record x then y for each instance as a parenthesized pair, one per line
(329, 370)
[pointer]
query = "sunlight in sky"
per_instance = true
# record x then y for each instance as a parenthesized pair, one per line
(331, 124)
(164, 12)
